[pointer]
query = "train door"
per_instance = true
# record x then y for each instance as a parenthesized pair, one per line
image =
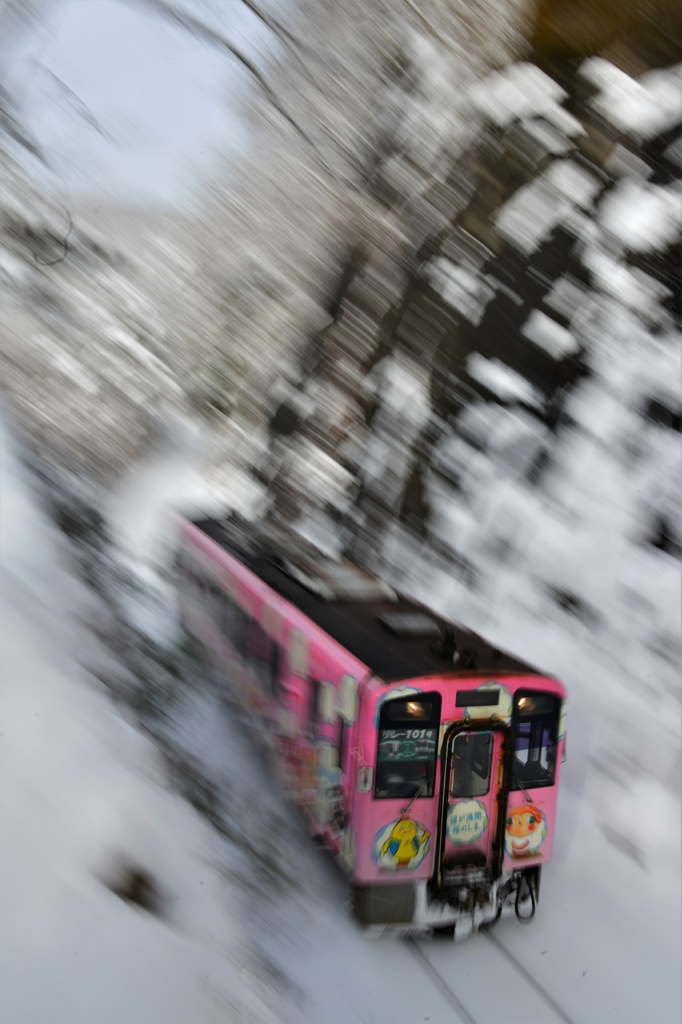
(473, 797)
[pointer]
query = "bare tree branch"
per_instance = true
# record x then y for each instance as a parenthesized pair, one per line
(76, 101)
(214, 37)
(203, 31)
(294, 44)
(10, 125)
(450, 43)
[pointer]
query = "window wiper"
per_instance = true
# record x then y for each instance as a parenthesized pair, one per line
(519, 785)
(424, 782)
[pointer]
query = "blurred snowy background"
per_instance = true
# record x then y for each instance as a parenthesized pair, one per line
(407, 276)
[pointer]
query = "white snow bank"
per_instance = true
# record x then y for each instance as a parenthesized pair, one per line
(533, 211)
(82, 803)
(141, 509)
(27, 541)
(641, 108)
(460, 287)
(523, 91)
(550, 335)
(636, 292)
(659, 370)
(319, 475)
(403, 386)
(512, 439)
(504, 382)
(547, 135)
(642, 216)
(568, 297)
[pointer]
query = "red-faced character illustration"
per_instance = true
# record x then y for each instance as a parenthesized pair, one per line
(526, 829)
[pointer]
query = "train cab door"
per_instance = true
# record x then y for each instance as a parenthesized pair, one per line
(472, 792)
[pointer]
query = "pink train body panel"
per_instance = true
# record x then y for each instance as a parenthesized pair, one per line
(435, 790)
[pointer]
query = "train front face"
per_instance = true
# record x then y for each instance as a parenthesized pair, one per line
(454, 809)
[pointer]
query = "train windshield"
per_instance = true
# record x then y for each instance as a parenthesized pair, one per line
(536, 727)
(408, 747)
(471, 758)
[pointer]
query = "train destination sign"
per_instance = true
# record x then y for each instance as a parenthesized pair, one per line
(407, 744)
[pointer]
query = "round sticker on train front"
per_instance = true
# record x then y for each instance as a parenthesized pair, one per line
(466, 822)
(401, 845)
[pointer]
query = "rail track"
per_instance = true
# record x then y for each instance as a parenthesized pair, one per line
(526, 1000)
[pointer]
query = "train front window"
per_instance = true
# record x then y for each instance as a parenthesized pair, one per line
(536, 726)
(471, 757)
(408, 747)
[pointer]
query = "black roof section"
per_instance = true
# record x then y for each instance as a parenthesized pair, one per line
(396, 637)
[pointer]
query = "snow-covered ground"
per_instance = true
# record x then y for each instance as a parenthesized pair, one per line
(250, 922)
(165, 879)
(85, 806)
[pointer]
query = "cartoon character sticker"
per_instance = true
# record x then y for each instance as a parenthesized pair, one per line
(347, 853)
(331, 799)
(272, 622)
(502, 706)
(467, 820)
(336, 810)
(308, 776)
(348, 698)
(526, 831)
(298, 654)
(326, 708)
(401, 845)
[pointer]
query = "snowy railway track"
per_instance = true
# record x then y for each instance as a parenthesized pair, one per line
(525, 998)
(528, 977)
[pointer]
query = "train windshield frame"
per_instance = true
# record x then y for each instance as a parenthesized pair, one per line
(407, 747)
(536, 738)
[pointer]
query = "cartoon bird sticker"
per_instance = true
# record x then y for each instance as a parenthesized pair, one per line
(405, 846)
(526, 830)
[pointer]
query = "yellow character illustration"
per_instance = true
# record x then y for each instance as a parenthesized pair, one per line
(405, 842)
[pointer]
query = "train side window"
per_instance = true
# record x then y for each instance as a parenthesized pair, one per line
(227, 617)
(407, 747)
(206, 593)
(536, 726)
(259, 653)
(471, 758)
(241, 628)
(313, 707)
(341, 739)
(200, 583)
(275, 662)
(259, 646)
(215, 598)
(225, 614)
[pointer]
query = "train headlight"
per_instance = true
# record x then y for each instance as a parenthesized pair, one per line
(416, 709)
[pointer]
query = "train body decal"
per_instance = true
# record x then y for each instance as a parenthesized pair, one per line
(401, 845)
(466, 821)
(526, 831)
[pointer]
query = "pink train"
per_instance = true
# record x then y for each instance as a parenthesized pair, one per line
(426, 760)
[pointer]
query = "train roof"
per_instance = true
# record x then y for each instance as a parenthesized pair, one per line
(394, 636)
